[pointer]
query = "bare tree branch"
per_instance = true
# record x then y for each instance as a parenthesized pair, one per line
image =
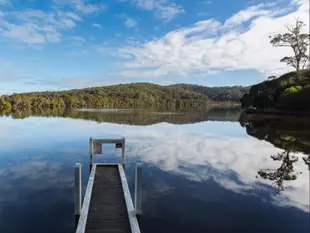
(299, 42)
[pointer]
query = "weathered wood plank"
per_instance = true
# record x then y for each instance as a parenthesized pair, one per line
(107, 210)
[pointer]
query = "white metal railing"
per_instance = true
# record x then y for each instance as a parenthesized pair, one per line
(81, 212)
(95, 147)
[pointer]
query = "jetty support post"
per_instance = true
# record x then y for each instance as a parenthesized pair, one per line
(91, 153)
(138, 190)
(123, 151)
(77, 190)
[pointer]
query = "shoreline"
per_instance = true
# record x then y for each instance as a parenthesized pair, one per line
(274, 112)
(210, 105)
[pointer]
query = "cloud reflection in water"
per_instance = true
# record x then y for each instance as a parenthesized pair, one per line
(220, 151)
(231, 162)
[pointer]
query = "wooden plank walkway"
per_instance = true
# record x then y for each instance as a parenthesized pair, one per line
(107, 205)
(107, 210)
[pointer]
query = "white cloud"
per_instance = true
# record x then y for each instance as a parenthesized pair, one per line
(163, 9)
(245, 15)
(81, 6)
(36, 26)
(263, 9)
(209, 46)
(88, 8)
(168, 11)
(32, 26)
(130, 23)
(144, 4)
(70, 15)
(56, 83)
(77, 41)
(96, 25)
(5, 2)
(27, 33)
(78, 38)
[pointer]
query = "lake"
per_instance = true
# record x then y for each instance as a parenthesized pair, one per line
(202, 171)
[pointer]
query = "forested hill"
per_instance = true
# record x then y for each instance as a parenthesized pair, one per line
(288, 93)
(138, 95)
(233, 94)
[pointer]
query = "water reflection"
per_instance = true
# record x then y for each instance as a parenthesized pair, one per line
(289, 133)
(30, 196)
(232, 163)
(284, 173)
(195, 175)
(174, 203)
(131, 116)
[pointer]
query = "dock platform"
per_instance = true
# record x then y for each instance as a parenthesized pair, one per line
(107, 205)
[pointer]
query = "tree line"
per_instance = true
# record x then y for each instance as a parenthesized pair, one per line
(136, 95)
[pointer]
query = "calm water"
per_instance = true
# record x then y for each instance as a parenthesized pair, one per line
(200, 170)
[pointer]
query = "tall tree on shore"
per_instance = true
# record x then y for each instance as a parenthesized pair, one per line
(298, 41)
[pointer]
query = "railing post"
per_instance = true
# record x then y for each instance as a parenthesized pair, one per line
(77, 189)
(91, 153)
(123, 152)
(138, 190)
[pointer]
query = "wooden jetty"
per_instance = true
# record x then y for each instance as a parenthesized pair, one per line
(107, 205)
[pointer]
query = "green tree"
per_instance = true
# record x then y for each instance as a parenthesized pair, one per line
(4, 104)
(292, 90)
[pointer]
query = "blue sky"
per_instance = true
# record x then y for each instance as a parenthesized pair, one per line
(63, 44)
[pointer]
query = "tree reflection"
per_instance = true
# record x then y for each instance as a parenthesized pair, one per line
(284, 173)
(307, 161)
(288, 133)
(131, 117)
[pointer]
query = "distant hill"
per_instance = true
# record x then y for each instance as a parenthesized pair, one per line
(233, 93)
(288, 93)
(135, 95)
